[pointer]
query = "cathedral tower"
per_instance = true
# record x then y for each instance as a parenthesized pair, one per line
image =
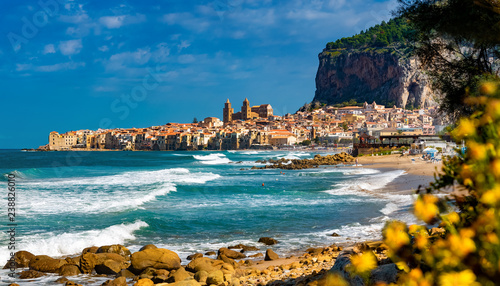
(227, 112)
(246, 110)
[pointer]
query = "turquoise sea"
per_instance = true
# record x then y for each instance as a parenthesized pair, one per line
(188, 202)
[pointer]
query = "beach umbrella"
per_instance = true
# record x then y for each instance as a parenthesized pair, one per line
(430, 150)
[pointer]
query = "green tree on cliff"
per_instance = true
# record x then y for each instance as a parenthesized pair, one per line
(457, 42)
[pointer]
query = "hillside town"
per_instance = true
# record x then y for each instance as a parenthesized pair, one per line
(256, 127)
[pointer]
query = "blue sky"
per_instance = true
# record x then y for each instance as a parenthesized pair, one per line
(69, 65)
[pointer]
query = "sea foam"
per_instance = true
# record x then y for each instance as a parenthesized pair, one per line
(121, 192)
(212, 159)
(56, 245)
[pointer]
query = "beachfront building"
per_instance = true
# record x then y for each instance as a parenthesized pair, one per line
(257, 127)
(60, 142)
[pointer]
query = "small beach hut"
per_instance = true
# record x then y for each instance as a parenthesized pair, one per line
(430, 151)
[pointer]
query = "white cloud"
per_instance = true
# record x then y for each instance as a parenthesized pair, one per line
(308, 15)
(60, 66)
(186, 59)
(70, 47)
(103, 48)
(112, 22)
(187, 21)
(123, 60)
(49, 49)
(115, 22)
(183, 45)
(160, 55)
(23, 67)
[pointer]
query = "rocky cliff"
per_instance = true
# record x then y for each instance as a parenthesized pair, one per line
(383, 76)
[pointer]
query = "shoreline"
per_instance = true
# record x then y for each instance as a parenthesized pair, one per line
(417, 172)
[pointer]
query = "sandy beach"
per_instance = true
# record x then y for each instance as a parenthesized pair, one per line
(418, 172)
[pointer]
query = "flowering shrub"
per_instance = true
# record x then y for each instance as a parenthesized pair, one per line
(468, 251)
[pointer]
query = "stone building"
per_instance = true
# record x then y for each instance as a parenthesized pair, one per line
(247, 112)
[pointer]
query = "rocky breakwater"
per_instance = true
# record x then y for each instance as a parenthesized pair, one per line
(298, 164)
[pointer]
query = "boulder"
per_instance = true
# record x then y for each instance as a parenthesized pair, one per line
(210, 253)
(73, 260)
(194, 256)
(334, 234)
(314, 251)
(244, 248)
(148, 273)
(230, 253)
(188, 282)
(144, 282)
(159, 258)
(161, 275)
(216, 277)
(227, 268)
(72, 283)
(92, 249)
(62, 280)
(13, 284)
(204, 264)
(115, 248)
(227, 260)
(69, 270)
(21, 259)
(30, 274)
(271, 255)
(386, 274)
(148, 246)
(45, 263)
(360, 247)
(201, 276)
(125, 273)
(87, 262)
(104, 263)
(178, 275)
(341, 263)
(120, 281)
(268, 240)
(256, 255)
(110, 267)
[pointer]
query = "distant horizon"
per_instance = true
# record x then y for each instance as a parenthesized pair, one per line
(76, 66)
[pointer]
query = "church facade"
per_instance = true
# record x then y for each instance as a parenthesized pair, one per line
(247, 112)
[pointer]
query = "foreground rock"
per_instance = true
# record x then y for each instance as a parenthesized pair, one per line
(44, 263)
(299, 164)
(158, 258)
(271, 255)
(268, 240)
(21, 259)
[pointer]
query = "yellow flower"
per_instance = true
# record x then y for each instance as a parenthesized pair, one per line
(426, 208)
(477, 151)
(491, 197)
(464, 278)
(465, 128)
(335, 280)
(453, 217)
(364, 262)
(395, 235)
(488, 88)
(461, 245)
(495, 168)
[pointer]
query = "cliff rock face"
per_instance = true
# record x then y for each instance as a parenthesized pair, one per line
(370, 76)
